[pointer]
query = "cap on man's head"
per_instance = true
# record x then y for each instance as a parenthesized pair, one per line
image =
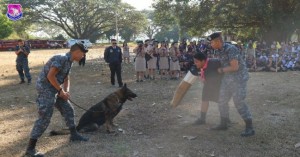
(113, 40)
(214, 35)
(139, 42)
(82, 47)
(174, 42)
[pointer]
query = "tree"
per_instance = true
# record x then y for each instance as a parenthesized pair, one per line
(130, 21)
(269, 19)
(5, 27)
(171, 34)
(59, 37)
(29, 15)
(150, 27)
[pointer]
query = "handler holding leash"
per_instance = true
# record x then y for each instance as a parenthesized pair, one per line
(233, 84)
(53, 90)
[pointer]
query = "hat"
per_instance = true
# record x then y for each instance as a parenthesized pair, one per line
(214, 35)
(82, 47)
(139, 42)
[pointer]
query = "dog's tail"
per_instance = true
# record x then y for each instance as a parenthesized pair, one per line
(59, 132)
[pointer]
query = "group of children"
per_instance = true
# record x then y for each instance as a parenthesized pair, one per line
(152, 57)
(269, 58)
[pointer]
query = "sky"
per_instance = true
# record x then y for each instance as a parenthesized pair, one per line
(140, 4)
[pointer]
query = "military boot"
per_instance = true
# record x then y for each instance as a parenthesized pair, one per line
(249, 131)
(222, 126)
(75, 136)
(30, 151)
(22, 81)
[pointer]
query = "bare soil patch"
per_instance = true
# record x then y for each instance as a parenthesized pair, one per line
(150, 127)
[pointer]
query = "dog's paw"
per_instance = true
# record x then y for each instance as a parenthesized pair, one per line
(110, 131)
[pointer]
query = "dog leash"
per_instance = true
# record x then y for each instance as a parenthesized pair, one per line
(83, 108)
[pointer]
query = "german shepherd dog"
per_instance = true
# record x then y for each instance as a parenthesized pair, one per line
(103, 112)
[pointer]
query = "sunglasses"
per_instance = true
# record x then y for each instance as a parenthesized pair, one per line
(114, 43)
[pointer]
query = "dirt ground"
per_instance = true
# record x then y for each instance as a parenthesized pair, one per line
(148, 126)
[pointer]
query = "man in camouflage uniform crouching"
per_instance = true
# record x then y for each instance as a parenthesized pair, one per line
(53, 90)
(233, 84)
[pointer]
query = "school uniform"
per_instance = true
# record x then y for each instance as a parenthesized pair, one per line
(174, 62)
(140, 62)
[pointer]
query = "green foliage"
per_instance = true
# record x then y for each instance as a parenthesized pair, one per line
(59, 37)
(77, 18)
(268, 19)
(5, 26)
(169, 34)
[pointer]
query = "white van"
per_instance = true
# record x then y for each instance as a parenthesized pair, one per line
(86, 42)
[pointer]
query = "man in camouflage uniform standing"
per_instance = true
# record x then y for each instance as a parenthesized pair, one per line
(53, 90)
(22, 52)
(233, 84)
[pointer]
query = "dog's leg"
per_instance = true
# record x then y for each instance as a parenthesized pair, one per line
(108, 125)
(90, 128)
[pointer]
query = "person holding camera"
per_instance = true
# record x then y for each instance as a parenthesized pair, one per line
(163, 60)
(22, 52)
(140, 62)
(174, 61)
(152, 63)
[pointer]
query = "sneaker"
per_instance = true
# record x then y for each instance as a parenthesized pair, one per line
(22, 81)
(33, 153)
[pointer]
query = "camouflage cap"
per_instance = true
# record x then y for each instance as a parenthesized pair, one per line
(82, 47)
(214, 35)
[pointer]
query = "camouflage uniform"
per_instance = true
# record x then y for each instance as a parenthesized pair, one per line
(47, 95)
(233, 84)
(22, 63)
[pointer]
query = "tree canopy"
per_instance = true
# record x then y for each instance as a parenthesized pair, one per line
(5, 26)
(81, 19)
(268, 19)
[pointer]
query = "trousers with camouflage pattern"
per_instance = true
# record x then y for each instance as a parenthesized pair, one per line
(45, 102)
(237, 90)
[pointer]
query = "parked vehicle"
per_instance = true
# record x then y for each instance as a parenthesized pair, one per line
(56, 44)
(86, 42)
(38, 44)
(8, 45)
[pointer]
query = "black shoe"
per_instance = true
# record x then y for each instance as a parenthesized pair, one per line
(248, 132)
(33, 153)
(222, 125)
(200, 121)
(137, 80)
(77, 137)
(29, 82)
(22, 81)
